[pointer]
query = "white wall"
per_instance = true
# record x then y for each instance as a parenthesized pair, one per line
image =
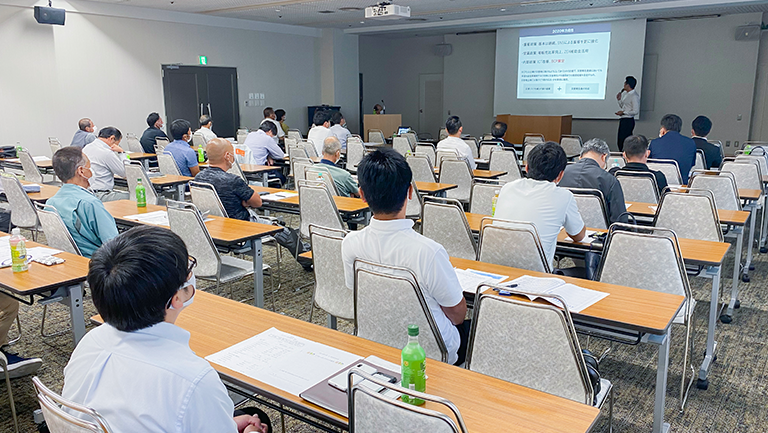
(108, 68)
(759, 127)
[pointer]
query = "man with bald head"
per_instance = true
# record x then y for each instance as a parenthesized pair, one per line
(234, 192)
(85, 133)
(341, 178)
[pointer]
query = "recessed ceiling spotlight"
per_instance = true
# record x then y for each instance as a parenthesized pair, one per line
(362, 22)
(503, 10)
(277, 10)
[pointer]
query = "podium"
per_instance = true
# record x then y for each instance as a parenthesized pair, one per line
(552, 127)
(387, 123)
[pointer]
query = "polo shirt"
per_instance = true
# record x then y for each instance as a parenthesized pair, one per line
(587, 173)
(341, 178)
(184, 156)
(262, 146)
(544, 204)
(317, 136)
(105, 165)
(86, 219)
(342, 134)
(396, 243)
(232, 191)
(207, 134)
(148, 381)
(147, 139)
(82, 138)
(457, 144)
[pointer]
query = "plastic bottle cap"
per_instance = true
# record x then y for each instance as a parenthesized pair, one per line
(17, 231)
(138, 180)
(413, 330)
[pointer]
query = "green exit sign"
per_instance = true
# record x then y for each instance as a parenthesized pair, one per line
(203, 60)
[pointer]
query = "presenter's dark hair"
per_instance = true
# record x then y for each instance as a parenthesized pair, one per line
(279, 114)
(635, 146)
(133, 276)
(179, 128)
(498, 129)
(205, 119)
(84, 123)
(546, 161)
(320, 117)
(268, 112)
(109, 131)
(452, 125)
(701, 126)
(631, 81)
(672, 122)
(66, 161)
(269, 127)
(384, 177)
(336, 118)
(152, 118)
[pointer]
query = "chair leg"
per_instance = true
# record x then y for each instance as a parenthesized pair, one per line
(10, 398)
(42, 326)
(610, 411)
(688, 348)
(18, 326)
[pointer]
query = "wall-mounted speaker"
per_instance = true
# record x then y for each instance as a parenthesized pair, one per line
(48, 15)
(748, 33)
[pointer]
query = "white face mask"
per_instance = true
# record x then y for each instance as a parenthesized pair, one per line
(192, 282)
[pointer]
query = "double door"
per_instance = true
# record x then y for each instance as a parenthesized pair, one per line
(192, 91)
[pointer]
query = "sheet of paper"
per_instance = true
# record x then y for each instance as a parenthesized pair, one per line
(285, 361)
(653, 207)
(588, 233)
(159, 217)
(42, 251)
(627, 205)
(278, 196)
(530, 284)
(469, 279)
(577, 298)
(5, 249)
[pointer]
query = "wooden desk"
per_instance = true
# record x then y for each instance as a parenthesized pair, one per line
(46, 192)
(431, 188)
(732, 217)
(749, 194)
(481, 174)
(485, 403)
(224, 231)
(345, 205)
(160, 183)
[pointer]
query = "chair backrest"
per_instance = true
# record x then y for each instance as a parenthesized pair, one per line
(55, 144)
(427, 149)
(421, 168)
(185, 220)
(414, 204)
(376, 136)
(290, 141)
(592, 207)
(387, 300)
(205, 197)
(571, 144)
(443, 221)
(198, 140)
(411, 137)
(540, 350)
(700, 163)
(669, 167)
(31, 172)
(401, 145)
(505, 160)
(297, 151)
(316, 207)
(511, 243)
(321, 173)
(457, 172)
(481, 199)
(761, 161)
(747, 174)
(615, 160)
(242, 134)
(527, 148)
(723, 187)
(355, 153)
(23, 212)
(372, 412)
(690, 214)
(486, 147)
(441, 154)
(237, 171)
(533, 138)
(133, 171)
(442, 134)
(300, 166)
(638, 186)
(132, 143)
(167, 164)
(331, 291)
(309, 147)
(160, 143)
(56, 233)
(60, 421)
(472, 143)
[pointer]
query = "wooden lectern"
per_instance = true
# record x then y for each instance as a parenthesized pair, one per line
(387, 123)
(552, 127)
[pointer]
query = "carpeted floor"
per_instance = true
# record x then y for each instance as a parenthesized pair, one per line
(735, 401)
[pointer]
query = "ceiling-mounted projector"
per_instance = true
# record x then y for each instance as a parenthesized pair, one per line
(387, 11)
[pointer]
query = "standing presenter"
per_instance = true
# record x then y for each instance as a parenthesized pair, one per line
(629, 104)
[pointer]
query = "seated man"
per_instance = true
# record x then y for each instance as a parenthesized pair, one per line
(672, 145)
(713, 154)
(234, 192)
(271, 117)
(498, 130)
(589, 172)
(183, 154)
(264, 149)
(84, 134)
(339, 129)
(206, 123)
(87, 220)
(538, 200)
(107, 161)
(17, 366)
(137, 369)
(341, 178)
(454, 142)
(636, 153)
(147, 140)
(320, 131)
(385, 184)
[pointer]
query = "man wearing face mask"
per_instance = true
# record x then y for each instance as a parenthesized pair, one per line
(234, 193)
(155, 123)
(137, 370)
(107, 160)
(183, 154)
(83, 213)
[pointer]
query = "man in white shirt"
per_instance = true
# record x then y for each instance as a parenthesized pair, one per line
(454, 142)
(270, 117)
(538, 200)
(264, 149)
(339, 129)
(629, 104)
(321, 130)
(137, 369)
(206, 123)
(385, 184)
(107, 161)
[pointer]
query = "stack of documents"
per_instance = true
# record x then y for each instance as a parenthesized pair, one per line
(469, 279)
(575, 297)
(159, 218)
(5, 252)
(278, 196)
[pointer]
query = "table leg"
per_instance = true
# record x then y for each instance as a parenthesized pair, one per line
(441, 194)
(714, 303)
(265, 179)
(180, 192)
(764, 227)
(74, 300)
(751, 243)
(145, 163)
(258, 273)
(659, 426)
(727, 316)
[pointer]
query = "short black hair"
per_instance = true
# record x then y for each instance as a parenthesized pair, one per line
(546, 161)
(66, 161)
(452, 125)
(635, 146)
(268, 112)
(84, 123)
(205, 119)
(672, 122)
(336, 118)
(269, 127)
(631, 81)
(498, 129)
(384, 177)
(133, 276)
(152, 118)
(179, 128)
(701, 126)
(109, 131)
(279, 114)
(320, 117)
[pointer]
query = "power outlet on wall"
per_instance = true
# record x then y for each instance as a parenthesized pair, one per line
(736, 144)
(727, 143)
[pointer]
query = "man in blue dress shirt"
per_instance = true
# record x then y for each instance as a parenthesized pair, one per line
(672, 145)
(85, 133)
(185, 156)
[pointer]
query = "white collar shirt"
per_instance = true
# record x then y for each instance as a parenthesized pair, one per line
(317, 136)
(262, 146)
(280, 132)
(460, 146)
(341, 133)
(395, 243)
(207, 134)
(148, 381)
(630, 104)
(105, 165)
(547, 206)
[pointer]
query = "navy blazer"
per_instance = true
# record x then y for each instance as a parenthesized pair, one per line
(675, 146)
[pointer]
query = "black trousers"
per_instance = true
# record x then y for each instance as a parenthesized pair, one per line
(626, 126)
(464, 329)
